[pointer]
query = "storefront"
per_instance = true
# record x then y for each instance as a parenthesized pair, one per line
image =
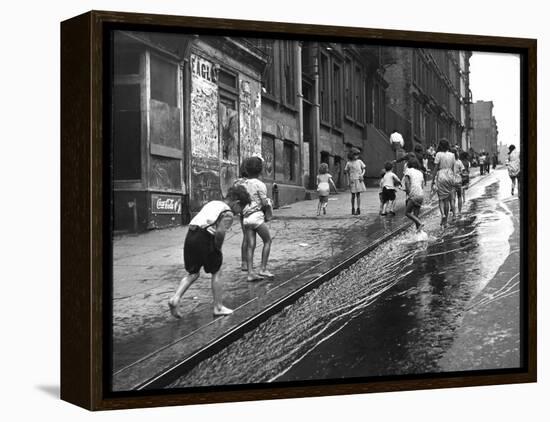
(185, 111)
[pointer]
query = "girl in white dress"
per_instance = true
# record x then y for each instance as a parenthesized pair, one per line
(355, 169)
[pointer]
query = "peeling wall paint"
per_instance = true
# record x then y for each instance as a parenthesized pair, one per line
(205, 168)
(250, 104)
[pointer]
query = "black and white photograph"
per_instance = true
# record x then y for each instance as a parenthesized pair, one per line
(300, 211)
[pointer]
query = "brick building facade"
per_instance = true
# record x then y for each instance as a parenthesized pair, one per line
(429, 88)
(485, 129)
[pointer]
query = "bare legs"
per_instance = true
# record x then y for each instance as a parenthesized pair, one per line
(244, 249)
(186, 282)
(358, 210)
(444, 206)
(263, 232)
(412, 212)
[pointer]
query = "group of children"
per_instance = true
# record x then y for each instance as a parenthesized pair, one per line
(202, 248)
(413, 183)
(248, 199)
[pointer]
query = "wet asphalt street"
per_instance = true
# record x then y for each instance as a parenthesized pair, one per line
(450, 303)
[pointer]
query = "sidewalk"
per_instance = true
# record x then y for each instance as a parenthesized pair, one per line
(148, 267)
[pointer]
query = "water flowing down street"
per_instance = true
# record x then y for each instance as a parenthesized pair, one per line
(449, 303)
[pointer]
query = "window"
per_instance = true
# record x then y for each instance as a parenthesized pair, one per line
(268, 78)
(164, 81)
(324, 93)
(337, 95)
(348, 99)
(227, 79)
(287, 63)
(126, 132)
(127, 114)
(288, 157)
(358, 95)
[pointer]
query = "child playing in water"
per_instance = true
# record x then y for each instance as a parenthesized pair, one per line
(324, 182)
(413, 180)
(389, 184)
(355, 169)
(203, 245)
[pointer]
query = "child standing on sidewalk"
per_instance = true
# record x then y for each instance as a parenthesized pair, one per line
(203, 246)
(413, 180)
(254, 219)
(389, 184)
(355, 169)
(324, 182)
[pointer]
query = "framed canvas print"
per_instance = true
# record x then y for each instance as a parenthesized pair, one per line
(257, 210)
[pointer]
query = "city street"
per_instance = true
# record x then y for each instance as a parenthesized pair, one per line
(448, 304)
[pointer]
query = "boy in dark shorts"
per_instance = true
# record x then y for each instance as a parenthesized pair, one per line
(389, 184)
(203, 245)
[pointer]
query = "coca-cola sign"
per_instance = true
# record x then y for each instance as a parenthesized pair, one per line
(166, 204)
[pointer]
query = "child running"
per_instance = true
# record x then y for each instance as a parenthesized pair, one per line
(389, 184)
(324, 182)
(355, 169)
(413, 180)
(203, 246)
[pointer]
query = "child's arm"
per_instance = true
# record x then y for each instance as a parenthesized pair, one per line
(407, 183)
(332, 184)
(221, 228)
(262, 194)
(396, 180)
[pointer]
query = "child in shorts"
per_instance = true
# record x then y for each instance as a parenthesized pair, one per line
(203, 246)
(413, 180)
(389, 184)
(324, 183)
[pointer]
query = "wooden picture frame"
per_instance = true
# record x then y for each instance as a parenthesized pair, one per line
(86, 211)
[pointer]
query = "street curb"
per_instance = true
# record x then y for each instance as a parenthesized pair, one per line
(164, 378)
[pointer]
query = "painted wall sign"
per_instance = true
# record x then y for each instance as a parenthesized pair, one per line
(165, 204)
(204, 115)
(204, 69)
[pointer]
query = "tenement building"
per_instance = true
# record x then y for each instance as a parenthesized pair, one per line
(485, 130)
(429, 88)
(188, 109)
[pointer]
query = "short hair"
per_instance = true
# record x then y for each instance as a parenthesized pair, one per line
(323, 168)
(464, 155)
(388, 165)
(242, 169)
(238, 193)
(511, 148)
(443, 145)
(253, 166)
(413, 163)
(418, 148)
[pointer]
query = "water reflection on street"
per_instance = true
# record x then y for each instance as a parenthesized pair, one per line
(395, 311)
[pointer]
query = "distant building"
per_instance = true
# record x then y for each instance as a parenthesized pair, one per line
(485, 130)
(430, 89)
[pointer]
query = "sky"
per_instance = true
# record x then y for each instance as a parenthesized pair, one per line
(496, 77)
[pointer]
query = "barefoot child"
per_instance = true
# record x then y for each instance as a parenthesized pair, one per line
(324, 183)
(254, 219)
(355, 169)
(413, 180)
(389, 184)
(203, 246)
